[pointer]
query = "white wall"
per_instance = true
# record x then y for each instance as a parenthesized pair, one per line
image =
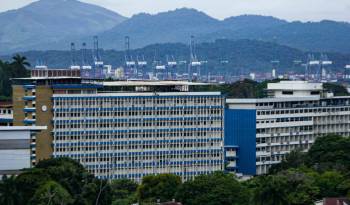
(14, 159)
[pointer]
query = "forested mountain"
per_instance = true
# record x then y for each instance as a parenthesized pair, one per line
(180, 24)
(242, 56)
(311, 36)
(53, 25)
(42, 24)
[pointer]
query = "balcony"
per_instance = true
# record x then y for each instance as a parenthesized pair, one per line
(29, 98)
(29, 109)
(29, 86)
(29, 121)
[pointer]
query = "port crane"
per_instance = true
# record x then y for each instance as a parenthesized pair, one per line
(172, 65)
(131, 70)
(195, 64)
(141, 66)
(74, 64)
(84, 60)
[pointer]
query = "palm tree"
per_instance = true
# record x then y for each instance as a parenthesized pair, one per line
(20, 60)
(8, 191)
(19, 65)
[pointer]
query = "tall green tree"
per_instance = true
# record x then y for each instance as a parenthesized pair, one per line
(8, 191)
(19, 66)
(51, 193)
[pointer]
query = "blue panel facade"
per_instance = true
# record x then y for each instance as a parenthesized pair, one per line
(240, 131)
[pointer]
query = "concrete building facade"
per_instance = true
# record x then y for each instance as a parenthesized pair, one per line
(292, 118)
(125, 129)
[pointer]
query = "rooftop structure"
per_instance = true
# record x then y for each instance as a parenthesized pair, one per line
(294, 89)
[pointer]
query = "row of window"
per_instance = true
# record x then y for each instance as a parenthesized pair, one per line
(105, 113)
(296, 111)
(138, 101)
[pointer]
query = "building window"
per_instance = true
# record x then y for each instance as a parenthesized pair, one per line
(287, 92)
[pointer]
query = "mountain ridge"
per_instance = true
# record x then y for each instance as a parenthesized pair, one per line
(175, 26)
(47, 21)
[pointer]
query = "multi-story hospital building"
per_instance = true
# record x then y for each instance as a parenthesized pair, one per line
(262, 131)
(124, 129)
(129, 129)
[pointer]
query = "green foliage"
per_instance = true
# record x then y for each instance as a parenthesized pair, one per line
(162, 187)
(214, 189)
(15, 69)
(51, 193)
(330, 152)
(300, 179)
(61, 181)
(241, 89)
(9, 191)
(123, 191)
(294, 159)
(337, 89)
(332, 184)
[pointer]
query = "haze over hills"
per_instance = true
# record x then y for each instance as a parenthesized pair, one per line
(52, 25)
(243, 56)
(47, 21)
(180, 24)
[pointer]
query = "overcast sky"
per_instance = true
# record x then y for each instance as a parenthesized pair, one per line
(305, 10)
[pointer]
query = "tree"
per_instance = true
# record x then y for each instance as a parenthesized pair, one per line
(29, 181)
(291, 187)
(294, 159)
(9, 191)
(123, 191)
(270, 190)
(162, 187)
(20, 60)
(214, 189)
(330, 152)
(332, 184)
(14, 69)
(51, 193)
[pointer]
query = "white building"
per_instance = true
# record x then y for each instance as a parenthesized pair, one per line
(292, 118)
(139, 133)
(17, 148)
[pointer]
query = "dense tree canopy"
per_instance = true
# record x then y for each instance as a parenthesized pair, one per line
(160, 187)
(214, 189)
